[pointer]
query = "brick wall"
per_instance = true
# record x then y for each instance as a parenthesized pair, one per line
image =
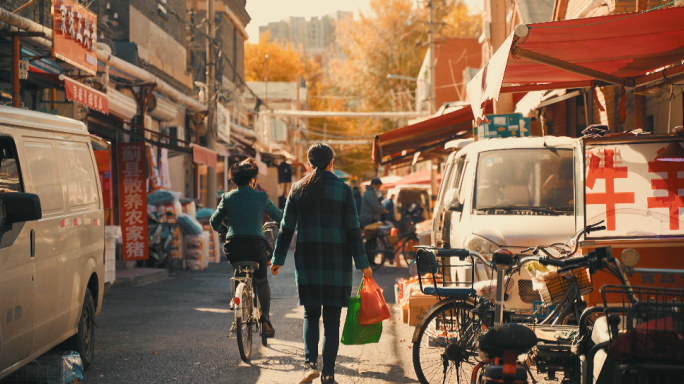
(557, 119)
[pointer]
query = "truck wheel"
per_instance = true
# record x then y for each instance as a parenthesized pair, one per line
(84, 341)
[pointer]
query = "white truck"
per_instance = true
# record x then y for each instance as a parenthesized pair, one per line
(509, 193)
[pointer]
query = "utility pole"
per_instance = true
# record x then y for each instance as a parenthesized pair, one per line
(266, 78)
(498, 33)
(211, 107)
(431, 44)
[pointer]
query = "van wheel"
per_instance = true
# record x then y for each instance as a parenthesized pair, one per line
(84, 341)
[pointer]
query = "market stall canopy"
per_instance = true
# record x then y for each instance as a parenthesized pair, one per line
(420, 177)
(620, 50)
(404, 142)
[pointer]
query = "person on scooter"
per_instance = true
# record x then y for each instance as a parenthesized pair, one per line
(242, 212)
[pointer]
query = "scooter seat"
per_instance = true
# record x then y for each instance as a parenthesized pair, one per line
(508, 337)
(249, 264)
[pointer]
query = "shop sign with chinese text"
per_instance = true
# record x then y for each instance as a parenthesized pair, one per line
(132, 179)
(85, 95)
(74, 36)
(636, 195)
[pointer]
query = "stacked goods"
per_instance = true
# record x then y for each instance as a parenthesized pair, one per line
(197, 251)
(168, 208)
(188, 206)
(414, 303)
(203, 215)
(112, 237)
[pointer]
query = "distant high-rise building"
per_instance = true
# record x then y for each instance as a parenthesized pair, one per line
(316, 36)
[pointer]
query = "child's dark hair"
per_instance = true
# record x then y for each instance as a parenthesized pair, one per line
(242, 172)
(319, 155)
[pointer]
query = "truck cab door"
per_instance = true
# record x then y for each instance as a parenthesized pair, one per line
(16, 266)
(450, 197)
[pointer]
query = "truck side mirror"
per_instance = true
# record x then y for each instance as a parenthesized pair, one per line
(456, 206)
(21, 207)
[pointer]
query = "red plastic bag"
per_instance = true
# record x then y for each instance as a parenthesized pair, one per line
(373, 307)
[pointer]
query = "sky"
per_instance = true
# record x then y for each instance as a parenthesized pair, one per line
(265, 11)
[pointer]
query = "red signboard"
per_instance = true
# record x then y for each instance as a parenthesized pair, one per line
(132, 179)
(85, 95)
(74, 36)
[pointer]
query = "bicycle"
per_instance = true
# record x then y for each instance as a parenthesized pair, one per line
(379, 248)
(454, 325)
(245, 303)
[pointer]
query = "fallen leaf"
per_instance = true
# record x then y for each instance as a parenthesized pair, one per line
(125, 359)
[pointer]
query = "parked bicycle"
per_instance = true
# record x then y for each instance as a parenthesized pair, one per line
(380, 247)
(245, 302)
(450, 332)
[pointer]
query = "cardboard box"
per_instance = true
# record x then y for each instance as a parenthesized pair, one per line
(419, 304)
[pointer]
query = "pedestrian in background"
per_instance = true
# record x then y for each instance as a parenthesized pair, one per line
(371, 210)
(388, 206)
(322, 209)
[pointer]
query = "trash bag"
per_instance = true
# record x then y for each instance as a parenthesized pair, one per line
(355, 333)
(373, 306)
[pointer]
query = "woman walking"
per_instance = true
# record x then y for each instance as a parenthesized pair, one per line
(322, 209)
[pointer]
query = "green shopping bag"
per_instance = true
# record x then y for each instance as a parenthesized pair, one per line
(355, 333)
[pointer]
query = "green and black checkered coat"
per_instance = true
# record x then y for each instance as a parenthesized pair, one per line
(327, 240)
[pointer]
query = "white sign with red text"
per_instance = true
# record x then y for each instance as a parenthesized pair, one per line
(636, 195)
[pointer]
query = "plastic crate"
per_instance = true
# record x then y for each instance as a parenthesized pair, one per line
(553, 290)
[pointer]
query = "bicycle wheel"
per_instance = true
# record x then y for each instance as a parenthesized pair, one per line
(376, 248)
(408, 249)
(244, 327)
(446, 341)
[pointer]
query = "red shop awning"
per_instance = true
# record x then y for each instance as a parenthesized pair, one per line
(435, 132)
(201, 155)
(617, 49)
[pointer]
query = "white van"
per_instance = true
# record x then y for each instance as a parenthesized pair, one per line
(51, 237)
(506, 193)
(406, 195)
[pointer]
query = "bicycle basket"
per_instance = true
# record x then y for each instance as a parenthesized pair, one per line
(651, 326)
(554, 290)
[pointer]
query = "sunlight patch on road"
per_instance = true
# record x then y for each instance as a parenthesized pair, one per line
(213, 310)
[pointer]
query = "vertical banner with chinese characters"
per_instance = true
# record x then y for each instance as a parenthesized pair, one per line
(132, 178)
(74, 37)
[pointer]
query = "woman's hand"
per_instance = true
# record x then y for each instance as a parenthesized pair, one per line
(275, 268)
(367, 273)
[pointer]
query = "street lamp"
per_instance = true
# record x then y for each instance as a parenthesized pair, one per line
(266, 78)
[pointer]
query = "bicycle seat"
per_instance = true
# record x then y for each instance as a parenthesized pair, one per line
(249, 264)
(508, 337)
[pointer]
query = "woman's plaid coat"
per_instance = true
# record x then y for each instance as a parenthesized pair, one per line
(327, 240)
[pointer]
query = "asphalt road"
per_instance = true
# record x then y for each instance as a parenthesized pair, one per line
(174, 331)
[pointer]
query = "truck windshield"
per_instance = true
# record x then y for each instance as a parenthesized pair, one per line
(525, 181)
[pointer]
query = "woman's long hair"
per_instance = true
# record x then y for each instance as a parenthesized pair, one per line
(311, 188)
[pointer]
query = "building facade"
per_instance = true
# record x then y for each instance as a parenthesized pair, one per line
(315, 37)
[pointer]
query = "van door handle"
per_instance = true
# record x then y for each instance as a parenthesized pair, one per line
(33, 242)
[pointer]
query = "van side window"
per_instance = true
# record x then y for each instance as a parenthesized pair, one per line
(9, 166)
(458, 172)
(76, 166)
(42, 166)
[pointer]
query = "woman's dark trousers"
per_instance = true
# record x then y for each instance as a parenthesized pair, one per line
(331, 337)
